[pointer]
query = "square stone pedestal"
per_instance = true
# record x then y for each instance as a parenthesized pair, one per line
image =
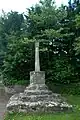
(37, 77)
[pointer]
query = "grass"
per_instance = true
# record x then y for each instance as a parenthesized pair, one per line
(44, 117)
(75, 115)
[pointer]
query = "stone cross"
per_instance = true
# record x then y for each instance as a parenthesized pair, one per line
(36, 97)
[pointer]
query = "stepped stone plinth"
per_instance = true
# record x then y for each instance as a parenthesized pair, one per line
(36, 97)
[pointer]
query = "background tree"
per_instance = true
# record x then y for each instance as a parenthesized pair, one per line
(44, 23)
(10, 24)
(57, 29)
(10, 32)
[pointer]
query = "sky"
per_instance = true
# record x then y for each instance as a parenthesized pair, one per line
(21, 5)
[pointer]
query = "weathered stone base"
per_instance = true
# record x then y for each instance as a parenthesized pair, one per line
(37, 99)
(37, 77)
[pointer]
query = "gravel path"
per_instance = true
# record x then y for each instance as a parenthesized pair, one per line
(3, 101)
(2, 110)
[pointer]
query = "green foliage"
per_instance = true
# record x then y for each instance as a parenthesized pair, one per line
(61, 71)
(57, 29)
(69, 89)
(10, 32)
(77, 40)
(77, 45)
(11, 81)
(42, 17)
(10, 24)
(18, 58)
(77, 20)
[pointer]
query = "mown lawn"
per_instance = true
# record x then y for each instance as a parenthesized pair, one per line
(75, 115)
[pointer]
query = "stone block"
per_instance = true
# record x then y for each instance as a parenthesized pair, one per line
(37, 77)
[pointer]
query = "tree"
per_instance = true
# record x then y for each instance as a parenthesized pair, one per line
(55, 28)
(36, 26)
(70, 33)
(45, 24)
(11, 25)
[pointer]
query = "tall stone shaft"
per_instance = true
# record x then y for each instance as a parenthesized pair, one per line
(37, 76)
(37, 62)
